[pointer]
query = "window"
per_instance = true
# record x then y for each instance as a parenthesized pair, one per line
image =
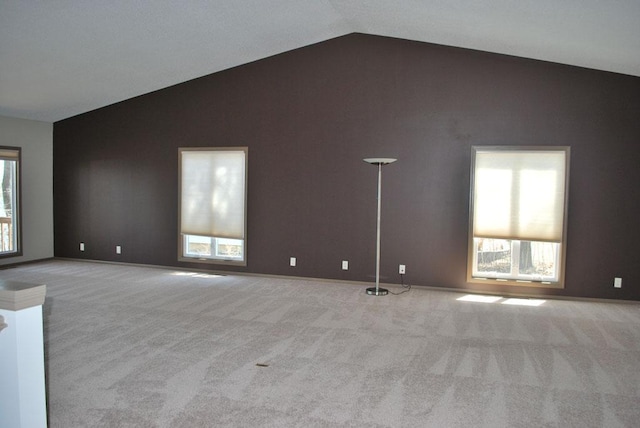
(212, 214)
(517, 231)
(10, 238)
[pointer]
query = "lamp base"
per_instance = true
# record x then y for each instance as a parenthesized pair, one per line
(380, 292)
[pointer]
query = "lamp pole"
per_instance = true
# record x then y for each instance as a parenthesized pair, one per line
(377, 291)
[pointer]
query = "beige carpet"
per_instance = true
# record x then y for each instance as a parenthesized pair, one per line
(141, 347)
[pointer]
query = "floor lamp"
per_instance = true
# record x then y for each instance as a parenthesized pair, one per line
(377, 291)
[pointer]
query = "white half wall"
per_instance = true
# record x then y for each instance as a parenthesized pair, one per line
(36, 140)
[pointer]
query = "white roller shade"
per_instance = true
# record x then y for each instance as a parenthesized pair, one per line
(519, 194)
(9, 154)
(213, 193)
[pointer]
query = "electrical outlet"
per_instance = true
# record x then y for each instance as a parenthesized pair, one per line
(292, 261)
(82, 246)
(345, 265)
(402, 269)
(617, 282)
(118, 249)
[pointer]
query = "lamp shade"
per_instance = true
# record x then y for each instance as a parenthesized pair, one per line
(379, 161)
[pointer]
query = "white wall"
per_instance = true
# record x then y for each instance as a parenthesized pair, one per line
(36, 141)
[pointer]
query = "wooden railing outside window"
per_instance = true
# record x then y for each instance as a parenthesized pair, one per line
(6, 234)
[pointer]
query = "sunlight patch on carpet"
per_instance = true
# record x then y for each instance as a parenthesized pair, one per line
(478, 298)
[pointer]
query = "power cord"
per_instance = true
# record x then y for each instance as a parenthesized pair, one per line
(406, 287)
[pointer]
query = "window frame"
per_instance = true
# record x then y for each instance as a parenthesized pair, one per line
(14, 154)
(522, 280)
(182, 240)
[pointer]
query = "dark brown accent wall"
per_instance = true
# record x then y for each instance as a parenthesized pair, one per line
(309, 116)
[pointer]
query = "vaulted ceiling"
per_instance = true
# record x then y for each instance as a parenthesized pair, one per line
(60, 58)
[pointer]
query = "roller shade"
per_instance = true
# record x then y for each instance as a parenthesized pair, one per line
(519, 194)
(9, 154)
(213, 192)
